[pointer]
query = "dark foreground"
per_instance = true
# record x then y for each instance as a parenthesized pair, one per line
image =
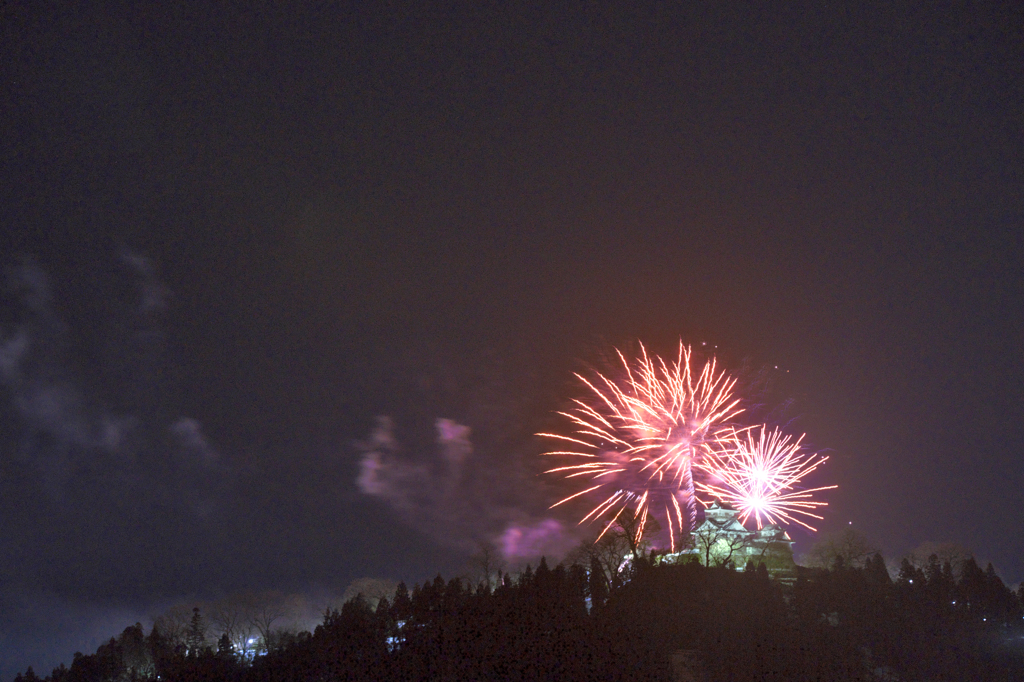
(571, 624)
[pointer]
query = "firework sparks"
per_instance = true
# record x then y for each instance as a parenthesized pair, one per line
(647, 442)
(760, 478)
(640, 439)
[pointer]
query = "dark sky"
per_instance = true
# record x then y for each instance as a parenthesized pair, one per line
(233, 236)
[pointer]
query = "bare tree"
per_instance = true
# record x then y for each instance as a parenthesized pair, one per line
(485, 566)
(611, 551)
(628, 524)
(136, 654)
(254, 622)
(717, 546)
(955, 554)
(371, 589)
(174, 623)
(267, 609)
(847, 547)
(234, 616)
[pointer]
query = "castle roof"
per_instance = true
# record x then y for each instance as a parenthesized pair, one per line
(723, 518)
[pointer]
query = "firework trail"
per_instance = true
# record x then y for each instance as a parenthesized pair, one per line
(649, 441)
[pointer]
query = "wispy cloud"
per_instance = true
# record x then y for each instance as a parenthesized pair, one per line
(445, 495)
(192, 442)
(67, 425)
(153, 293)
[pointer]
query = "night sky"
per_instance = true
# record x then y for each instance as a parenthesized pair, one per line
(232, 238)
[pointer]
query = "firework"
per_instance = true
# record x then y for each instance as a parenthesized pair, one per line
(647, 441)
(760, 478)
(638, 440)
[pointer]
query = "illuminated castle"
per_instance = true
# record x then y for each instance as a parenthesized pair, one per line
(723, 540)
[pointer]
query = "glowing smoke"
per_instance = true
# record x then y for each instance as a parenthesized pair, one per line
(447, 498)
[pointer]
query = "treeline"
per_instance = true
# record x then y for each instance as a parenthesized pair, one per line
(843, 623)
(572, 623)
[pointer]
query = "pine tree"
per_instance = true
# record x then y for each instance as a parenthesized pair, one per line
(597, 584)
(875, 570)
(195, 640)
